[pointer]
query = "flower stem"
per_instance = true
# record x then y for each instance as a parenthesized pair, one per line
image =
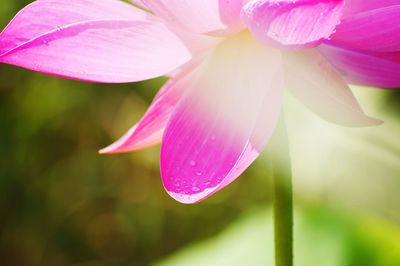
(282, 198)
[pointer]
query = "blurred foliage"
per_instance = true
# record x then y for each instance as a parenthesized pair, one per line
(61, 203)
(323, 237)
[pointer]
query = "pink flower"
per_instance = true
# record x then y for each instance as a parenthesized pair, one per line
(228, 61)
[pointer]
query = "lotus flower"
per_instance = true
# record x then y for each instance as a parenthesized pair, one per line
(228, 62)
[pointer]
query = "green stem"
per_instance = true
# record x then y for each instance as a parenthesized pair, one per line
(283, 198)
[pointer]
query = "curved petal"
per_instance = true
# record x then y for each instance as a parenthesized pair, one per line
(357, 6)
(149, 130)
(292, 23)
(314, 81)
(377, 70)
(223, 121)
(375, 30)
(199, 16)
(92, 40)
(230, 14)
(48, 15)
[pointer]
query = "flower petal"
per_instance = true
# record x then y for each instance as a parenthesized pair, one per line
(357, 6)
(149, 130)
(292, 23)
(223, 121)
(362, 68)
(92, 40)
(374, 30)
(52, 14)
(314, 81)
(199, 16)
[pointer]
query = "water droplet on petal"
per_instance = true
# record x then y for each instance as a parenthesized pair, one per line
(192, 163)
(195, 189)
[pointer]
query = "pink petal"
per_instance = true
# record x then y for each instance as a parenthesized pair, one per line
(197, 44)
(47, 15)
(223, 121)
(315, 82)
(375, 30)
(362, 68)
(199, 16)
(230, 13)
(149, 130)
(293, 23)
(92, 40)
(357, 6)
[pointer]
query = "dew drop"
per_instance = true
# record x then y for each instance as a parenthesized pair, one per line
(192, 163)
(195, 189)
(198, 173)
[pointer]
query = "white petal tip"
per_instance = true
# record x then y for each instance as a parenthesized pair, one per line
(116, 147)
(375, 122)
(112, 149)
(192, 198)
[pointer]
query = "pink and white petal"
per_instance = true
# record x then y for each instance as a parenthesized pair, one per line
(48, 15)
(224, 119)
(357, 6)
(315, 82)
(198, 16)
(197, 44)
(292, 23)
(149, 130)
(362, 68)
(92, 41)
(230, 13)
(374, 30)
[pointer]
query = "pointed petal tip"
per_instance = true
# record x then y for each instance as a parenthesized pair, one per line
(188, 198)
(321, 88)
(361, 120)
(114, 149)
(104, 151)
(379, 122)
(129, 142)
(189, 195)
(357, 121)
(371, 122)
(120, 146)
(149, 130)
(183, 189)
(111, 149)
